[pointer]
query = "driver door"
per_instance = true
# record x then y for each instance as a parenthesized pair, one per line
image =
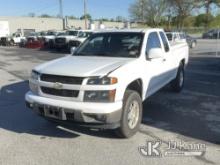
(154, 67)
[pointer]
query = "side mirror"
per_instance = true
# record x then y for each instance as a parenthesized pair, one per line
(155, 53)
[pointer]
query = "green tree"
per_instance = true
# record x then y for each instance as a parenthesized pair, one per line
(88, 16)
(148, 11)
(46, 16)
(72, 17)
(189, 21)
(215, 23)
(119, 19)
(201, 20)
(182, 9)
(207, 4)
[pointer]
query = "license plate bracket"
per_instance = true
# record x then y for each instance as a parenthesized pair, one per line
(53, 112)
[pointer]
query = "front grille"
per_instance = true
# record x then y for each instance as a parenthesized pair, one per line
(43, 39)
(60, 92)
(3, 39)
(61, 79)
(70, 116)
(74, 43)
(30, 39)
(60, 40)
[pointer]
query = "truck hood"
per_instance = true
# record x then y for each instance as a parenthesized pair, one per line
(49, 37)
(82, 66)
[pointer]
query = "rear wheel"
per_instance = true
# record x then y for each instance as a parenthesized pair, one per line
(131, 115)
(178, 83)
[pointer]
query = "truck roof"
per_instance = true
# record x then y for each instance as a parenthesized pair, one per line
(128, 30)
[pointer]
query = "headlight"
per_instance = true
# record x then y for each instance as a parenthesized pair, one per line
(99, 96)
(34, 75)
(33, 81)
(33, 87)
(102, 81)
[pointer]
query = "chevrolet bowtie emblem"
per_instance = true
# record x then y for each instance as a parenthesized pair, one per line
(58, 85)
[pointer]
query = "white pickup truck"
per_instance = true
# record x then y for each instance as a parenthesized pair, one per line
(16, 38)
(62, 41)
(104, 82)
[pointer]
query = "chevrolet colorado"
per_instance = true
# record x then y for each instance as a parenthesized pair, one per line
(104, 82)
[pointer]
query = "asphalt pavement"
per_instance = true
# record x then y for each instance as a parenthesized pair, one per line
(191, 117)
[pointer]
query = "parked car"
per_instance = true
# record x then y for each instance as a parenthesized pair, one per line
(211, 34)
(16, 38)
(191, 41)
(105, 81)
(40, 35)
(62, 41)
(33, 36)
(82, 36)
(49, 38)
(175, 37)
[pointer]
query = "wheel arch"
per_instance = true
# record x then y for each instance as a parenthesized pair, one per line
(136, 85)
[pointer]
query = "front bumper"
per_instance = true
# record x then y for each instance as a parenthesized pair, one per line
(103, 115)
(61, 45)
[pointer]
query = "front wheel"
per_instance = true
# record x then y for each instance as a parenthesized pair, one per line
(131, 115)
(178, 83)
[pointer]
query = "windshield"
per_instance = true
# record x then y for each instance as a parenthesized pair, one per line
(84, 34)
(61, 34)
(72, 33)
(115, 44)
(41, 34)
(33, 34)
(51, 33)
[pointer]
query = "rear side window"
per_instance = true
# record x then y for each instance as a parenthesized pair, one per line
(153, 41)
(165, 42)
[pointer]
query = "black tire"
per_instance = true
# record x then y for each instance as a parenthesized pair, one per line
(124, 131)
(178, 83)
(12, 43)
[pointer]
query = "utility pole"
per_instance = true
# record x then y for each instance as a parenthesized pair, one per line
(61, 13)
(217, 42)
(61, 8)
(85, 13)
(142, 11)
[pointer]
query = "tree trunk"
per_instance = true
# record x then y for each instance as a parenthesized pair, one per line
(207, 14)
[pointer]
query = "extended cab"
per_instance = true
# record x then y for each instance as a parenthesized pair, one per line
(104, 82)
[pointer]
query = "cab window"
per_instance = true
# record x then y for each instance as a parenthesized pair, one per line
(153, 41)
